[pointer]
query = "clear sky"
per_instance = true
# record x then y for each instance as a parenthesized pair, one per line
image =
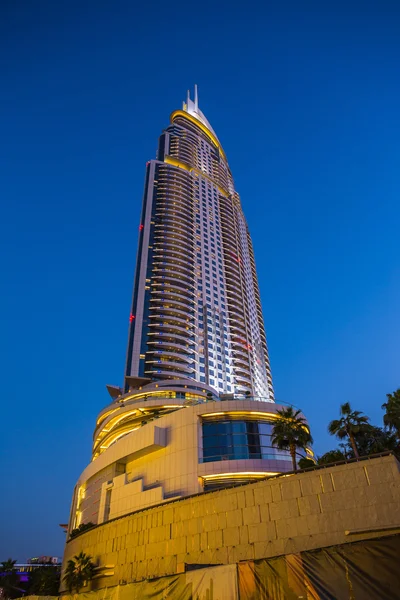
(305, 99)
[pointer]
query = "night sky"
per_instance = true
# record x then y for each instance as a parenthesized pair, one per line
(305, 100)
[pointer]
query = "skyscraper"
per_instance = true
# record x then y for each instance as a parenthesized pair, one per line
(196, 310)
(196, 410)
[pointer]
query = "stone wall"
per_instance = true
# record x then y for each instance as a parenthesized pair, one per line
(284, 515)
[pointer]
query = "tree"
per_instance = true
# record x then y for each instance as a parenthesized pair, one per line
(391, 418)
(350, 423)
(8, 566)
(9, 580)
(79, 572)
(45, 581)
(373, 440)
(306, 463)
(332, 456)
(290, 431)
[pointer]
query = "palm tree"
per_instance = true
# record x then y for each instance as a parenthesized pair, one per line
(391, 418)
(350, 423)
(8, 566)
(9, 579)
(79, 571)
(290, 431)
(45, 581)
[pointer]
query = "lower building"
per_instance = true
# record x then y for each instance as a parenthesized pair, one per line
(164, 441)
(24, 570)
(44, 560)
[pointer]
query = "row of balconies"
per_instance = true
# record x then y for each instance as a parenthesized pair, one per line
(169, 294)
(171, 339)
(173, 266)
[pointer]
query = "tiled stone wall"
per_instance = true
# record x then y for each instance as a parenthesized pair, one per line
(259, 520)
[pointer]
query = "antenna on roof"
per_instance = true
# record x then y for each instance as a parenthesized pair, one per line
(196, 98)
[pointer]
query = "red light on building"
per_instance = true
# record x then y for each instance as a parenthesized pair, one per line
(131, 318)
(141, 227)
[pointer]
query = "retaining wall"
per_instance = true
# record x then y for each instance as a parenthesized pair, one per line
(285, 515)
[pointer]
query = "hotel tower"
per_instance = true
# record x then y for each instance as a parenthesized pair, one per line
(196, 408)
(196, 309)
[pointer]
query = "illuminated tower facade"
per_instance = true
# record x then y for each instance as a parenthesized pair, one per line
(196, 410)
(196, 310)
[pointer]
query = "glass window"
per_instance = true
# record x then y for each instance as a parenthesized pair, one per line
(228, 440)
(265, 428)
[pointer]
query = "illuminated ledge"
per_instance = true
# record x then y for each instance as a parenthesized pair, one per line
(200, 125)
(240, 475)
(256, 414)
(243, 467)
(170, 160)
(372, 530)
(226, 479)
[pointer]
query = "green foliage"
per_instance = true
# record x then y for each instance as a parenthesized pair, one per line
(290, 432)
(373, 440)
(79, 572)
(331, 456)
(359, 437)
(8, 566)
(82, 527)
(9, 581)
(391, 418)
(306, 463)
(45, 581)
(350, 423)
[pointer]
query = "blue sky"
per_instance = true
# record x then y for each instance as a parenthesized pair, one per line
(303, 96)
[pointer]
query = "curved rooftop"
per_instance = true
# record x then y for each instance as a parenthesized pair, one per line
(190, 109)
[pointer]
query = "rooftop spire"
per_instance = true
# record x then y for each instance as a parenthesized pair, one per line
(192, 107)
